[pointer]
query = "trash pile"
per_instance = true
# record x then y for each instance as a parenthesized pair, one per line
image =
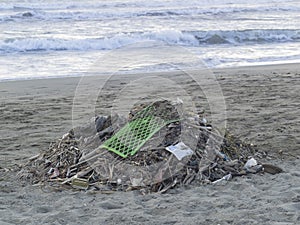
(153, 150)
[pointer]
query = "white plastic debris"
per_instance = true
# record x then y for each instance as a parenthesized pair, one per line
(178, 101)
(180, 150)
(223, 180)
(137, 182)
(250, 163)
(65, 136)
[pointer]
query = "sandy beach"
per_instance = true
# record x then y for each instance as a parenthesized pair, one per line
(262, 107)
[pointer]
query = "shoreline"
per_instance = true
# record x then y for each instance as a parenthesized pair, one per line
(214, 70)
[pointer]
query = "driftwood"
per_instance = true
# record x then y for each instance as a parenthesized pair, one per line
(78, 160)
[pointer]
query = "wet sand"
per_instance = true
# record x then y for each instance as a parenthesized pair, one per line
(263, 107)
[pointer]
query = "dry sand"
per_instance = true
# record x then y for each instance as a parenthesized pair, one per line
(262, 107)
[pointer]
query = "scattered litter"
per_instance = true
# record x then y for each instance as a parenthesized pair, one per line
(180, 150)
(250, 163)
(54, 173)
(252, 166)
(223, 180)
(137, 182)
(204, 121)
(178, 101)
(119, 181)
(255, 169)
(222, 155)
(98, 157)
(80, 183)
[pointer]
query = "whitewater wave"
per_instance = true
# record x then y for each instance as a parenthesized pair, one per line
(101, 12)
(71, 4)
(106, 43)
(182, 38)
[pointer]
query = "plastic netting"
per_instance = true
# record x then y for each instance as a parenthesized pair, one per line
(129, 139)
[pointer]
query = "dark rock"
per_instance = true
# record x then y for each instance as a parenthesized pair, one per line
(268, 168)
(100, 123)
(27, 14)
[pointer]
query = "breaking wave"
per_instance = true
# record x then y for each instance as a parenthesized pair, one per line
(182, 38)
(105, 11)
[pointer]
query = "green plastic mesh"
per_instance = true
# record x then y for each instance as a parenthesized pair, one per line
(129, 139)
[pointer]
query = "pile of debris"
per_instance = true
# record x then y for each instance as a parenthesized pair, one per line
(155, 149)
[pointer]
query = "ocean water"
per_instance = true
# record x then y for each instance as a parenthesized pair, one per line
(42, 38)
